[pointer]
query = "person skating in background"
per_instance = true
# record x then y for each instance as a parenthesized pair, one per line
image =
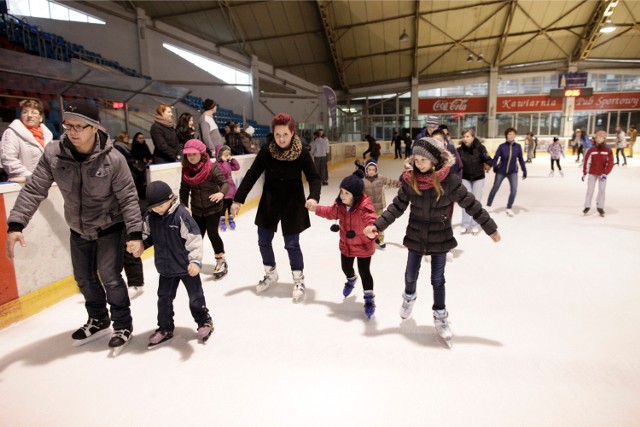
(227, 165)
(407, 145)
(373, 150)
(100, 206)
(633, 135)
(397, 144)
(374, 185)
(282, 160)
(476, 163)
(505, 165)
(174, 234)
(598, 164)
(354, 211)
(428, 189)
(206, 184)
(585, 144)
(320, 151)
(556, 150)
(530, 142)
(621, 144)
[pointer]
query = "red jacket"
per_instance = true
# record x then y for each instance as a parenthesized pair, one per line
(360, 216)
(598, 160)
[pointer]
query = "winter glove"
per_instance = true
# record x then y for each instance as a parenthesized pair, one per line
(495, 169)
(524, 176)
(583, 177)
(603, 177)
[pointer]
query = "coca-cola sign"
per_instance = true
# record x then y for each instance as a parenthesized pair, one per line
(452, 105)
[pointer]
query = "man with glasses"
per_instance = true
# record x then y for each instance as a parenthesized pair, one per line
(100, 206)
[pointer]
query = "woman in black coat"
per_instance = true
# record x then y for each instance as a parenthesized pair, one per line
(164, 137)
(283, 201)
(476, 163)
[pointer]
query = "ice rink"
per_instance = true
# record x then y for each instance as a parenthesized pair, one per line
(545, 323)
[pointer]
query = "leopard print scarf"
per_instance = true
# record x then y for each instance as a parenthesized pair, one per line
(292, 152)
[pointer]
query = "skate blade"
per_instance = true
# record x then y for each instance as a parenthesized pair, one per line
(115, 351)
(218, 276)
(151, 346)
(99, 334)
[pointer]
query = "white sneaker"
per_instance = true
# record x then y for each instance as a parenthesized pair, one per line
(270, 277)
(298, 286)
(464, 230)
(509, 212)
(441, 322)
(475, 231)
(407, 305)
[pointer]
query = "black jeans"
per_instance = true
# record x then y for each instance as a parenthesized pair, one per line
(364, 265)
(102, 256)
(618, 151)
(291, 244)
(167, 289)
(209, 224)
(133, 270)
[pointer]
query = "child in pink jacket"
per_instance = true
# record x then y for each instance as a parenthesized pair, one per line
(354, 211)
(227, 165)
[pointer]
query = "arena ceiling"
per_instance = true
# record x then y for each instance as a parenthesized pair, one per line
(356, 45)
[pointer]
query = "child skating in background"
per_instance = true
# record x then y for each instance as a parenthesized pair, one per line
(354, 211)
(207, 186)
(227, 165)
(174, 234)
(429, 189)
(374, 185)
(555, 151)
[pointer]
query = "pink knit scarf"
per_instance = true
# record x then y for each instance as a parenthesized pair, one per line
(425, 180)
(198, 173)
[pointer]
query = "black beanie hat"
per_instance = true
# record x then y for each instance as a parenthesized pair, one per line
(354, 185)
(158, 192)
(208, 104)
(85, 111)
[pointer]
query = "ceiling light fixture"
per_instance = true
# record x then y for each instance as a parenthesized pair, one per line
(404, 36)
(470, 57)
(608, 28)
(480, 58)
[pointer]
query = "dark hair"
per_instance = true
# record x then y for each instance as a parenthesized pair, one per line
(510, 130)
(135, 137)
(183, 122)
(283, 119)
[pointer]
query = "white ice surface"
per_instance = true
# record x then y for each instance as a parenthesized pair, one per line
(545, 331)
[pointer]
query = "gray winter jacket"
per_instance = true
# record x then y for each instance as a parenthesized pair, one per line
(98, 192)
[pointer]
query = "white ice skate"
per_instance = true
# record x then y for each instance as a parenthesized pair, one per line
(407, 305)
(441, 322)
(270, 278)
(298, 286)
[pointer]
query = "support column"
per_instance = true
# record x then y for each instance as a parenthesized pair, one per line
(568, 108)
(255, 88)
(143, 49)
(492, 101)
(414, 102)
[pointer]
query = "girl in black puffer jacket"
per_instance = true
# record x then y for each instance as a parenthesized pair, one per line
(429, 188)
(476, 162)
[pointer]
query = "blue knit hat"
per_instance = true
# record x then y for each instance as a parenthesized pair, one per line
(354, 185)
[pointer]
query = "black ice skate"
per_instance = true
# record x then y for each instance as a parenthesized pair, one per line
(119, 339)
(91, 331)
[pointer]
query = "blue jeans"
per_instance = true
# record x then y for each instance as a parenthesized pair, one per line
(103, 256)
(291, 244)
(475, 188)
(513, 184)
(167, 289)
(438, 262)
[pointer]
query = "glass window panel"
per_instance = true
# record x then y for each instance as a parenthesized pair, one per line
(549, 82)
(607, 82)
(601, 122)
(531, 85)
(613, 122)
(59, 12)
(92, 20)
(19, 7)
(453, 91)
(77, 16)
(525, 123)
(429, 93)
(507, 87)
(630, 83)
(480, 89)
(581, 121)
(504, 122)
(39, 8)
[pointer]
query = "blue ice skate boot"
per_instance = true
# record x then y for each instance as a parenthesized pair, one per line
(348, 286)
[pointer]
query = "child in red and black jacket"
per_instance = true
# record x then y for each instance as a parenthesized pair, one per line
(354, 211)
(598, 164)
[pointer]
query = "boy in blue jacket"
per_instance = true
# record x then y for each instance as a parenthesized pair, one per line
(505, 165)
(178, 257)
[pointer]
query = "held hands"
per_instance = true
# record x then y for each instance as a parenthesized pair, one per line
(216, 197)
(193, 269)
(495, 237)
(311, 205)
(370, 231)
(135, 247)
(312, 208)
(12, 238)
(235, 208)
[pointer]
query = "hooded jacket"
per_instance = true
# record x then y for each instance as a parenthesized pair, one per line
(20, 151)
(357, 218)
(374, 187)
(98, 192)
(429, 227)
